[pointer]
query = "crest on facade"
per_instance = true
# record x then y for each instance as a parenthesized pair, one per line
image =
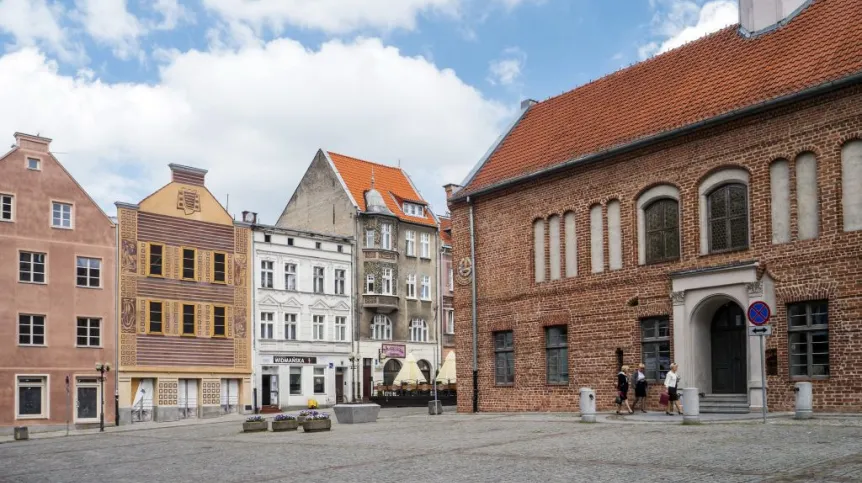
(465, 269)
(189, 201)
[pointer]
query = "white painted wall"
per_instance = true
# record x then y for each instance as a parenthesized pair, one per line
(539, 249)
(571, 245)
(554, 244)
(615, 243)
(851, 181)
(597, 249)
(779, 181)
(807, 204)
(755, 15)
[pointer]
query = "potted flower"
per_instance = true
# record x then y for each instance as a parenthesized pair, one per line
(303, 415)
(316, 421)
(253, 424)
(284, 422)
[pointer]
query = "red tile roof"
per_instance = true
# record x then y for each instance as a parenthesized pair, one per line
(714, 75)
(446, 230)
(391, 182)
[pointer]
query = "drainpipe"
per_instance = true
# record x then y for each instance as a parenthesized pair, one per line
(357, 313)
(118, 269)
(475, 330)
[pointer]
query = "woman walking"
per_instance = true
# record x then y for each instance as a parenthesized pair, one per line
(671, 383)
(640, 388)
(623, 389)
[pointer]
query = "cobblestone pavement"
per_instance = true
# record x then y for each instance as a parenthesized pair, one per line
(404, 446)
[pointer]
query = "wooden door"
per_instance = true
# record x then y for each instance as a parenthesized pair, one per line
(729, 353)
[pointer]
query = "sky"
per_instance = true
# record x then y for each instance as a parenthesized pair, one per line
(251, 89)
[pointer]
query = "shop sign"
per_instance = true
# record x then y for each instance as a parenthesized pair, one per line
(394, 350)
(293, 360)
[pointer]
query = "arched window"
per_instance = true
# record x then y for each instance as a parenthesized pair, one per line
(571, 245)
(597, 247)
(418, 331)
(554, 245)
(390, 370)
(779, 187)
(381, 328)
(661, 230)
(851, 180)
(425, 367)
(615, 241)
(539, 249)
(728, 217)
(807, 204)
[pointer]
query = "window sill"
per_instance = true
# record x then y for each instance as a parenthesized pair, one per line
(218, 337)
(6, 221)
(88, 347)
(70, 228)
(557, 384)
(32, 283)
(807, 378)
(425, 300)
(91, 288)
(29, 417)
(32, 345)
(216, 282)
(512, 384)
(155, 275)
(725, 251)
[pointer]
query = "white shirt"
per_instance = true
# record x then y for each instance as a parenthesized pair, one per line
(671, 379)
(639, 376)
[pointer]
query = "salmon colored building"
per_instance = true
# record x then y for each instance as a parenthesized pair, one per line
(57, 287)
(185, 338)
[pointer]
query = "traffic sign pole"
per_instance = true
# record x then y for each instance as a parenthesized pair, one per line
(763, 379)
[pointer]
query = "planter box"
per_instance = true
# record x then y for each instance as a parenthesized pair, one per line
(316, 425)
(286, 425)
(300, 419)
(356, 413)
(254, 426)
(22, 433)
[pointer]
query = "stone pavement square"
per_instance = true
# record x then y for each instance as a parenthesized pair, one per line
(406, 445)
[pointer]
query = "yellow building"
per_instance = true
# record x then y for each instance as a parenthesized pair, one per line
(184, 283)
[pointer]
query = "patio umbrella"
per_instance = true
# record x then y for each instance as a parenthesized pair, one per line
(409, 372)
(447, 370)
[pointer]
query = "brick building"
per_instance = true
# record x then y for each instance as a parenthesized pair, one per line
(185, 302)
(635, 218)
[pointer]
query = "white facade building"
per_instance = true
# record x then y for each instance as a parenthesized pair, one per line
(303, 312)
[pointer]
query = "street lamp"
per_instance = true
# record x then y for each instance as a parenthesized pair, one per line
(102, 368)
(352, 358)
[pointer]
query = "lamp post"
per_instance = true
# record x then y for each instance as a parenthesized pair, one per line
(352, 358)
(102, 368)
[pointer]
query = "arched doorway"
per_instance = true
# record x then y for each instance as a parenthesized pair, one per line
(390, 370)
(425, 367)
(728, 334)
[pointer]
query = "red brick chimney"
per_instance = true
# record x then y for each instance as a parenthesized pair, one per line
(451, 189)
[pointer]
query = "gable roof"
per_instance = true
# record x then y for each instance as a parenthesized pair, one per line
(714, 76)
(446, 230)
(392, 183)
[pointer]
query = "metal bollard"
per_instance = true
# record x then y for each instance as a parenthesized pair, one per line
(588, 405)
(690, 406)
(804, 400)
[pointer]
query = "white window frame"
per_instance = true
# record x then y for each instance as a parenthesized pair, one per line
(425, 245)
(31, 325)
(45, 385)
(38, 163)
(341, 328)
(315, 375)
(425, 289)
(449, 315)
(386, 281)
(655, 193)
(88, 325)
(369, 238)
(79, 383)
(410, 290)
(88, 267)
(55, 205)
(451, 279)
(290, 275)
(707, 186)
(32, 272)
(410, 243)
(291, 327)
(267, 327)
(418, 330)
(319, 280)
(386, 236)
(412, 209)
(340, 281)
(7, 199)
(381, 327)
(318, 327)
(369, 283)
(266, 274)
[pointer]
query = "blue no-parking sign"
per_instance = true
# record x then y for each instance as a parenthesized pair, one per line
(759, 313)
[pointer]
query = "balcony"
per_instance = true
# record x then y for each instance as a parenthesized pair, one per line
(448, 340)
(383, 303)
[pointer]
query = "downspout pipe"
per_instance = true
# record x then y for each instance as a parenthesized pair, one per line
(473, 297)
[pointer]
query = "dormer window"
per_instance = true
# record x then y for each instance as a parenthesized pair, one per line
(412, 209)
(34, 163)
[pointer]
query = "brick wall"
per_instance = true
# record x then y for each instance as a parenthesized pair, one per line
(598, 308)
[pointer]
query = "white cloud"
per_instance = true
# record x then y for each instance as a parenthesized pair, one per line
(681, 21)
(254, 117)
(330, 16)
(508, 68)
(172, 14)
(37, 23)
(109, 22)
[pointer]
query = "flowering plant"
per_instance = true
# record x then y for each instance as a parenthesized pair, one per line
(317, 415)
(306, 412)
(285, 417)
(254, 419)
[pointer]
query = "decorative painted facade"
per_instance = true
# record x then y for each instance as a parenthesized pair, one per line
(57, 292)
(303, 309)
(184, 302)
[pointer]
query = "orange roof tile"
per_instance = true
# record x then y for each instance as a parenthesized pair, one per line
(714, 75)
(446, 230)
(391, 182)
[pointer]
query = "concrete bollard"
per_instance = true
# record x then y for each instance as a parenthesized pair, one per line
(804, 400)
(435, 407)
(690, 406)
(22, 433)
(588, 405)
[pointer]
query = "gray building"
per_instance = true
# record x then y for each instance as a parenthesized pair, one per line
(397, 259)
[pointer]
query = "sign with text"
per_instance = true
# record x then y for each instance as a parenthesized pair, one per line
(393, 350)
(293, 360)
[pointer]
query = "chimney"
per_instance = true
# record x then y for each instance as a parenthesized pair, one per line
(527, 103)
(758, 15)
(451, 189)
(32, 143)
(187, 174)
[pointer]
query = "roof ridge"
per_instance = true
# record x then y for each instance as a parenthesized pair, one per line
(365, 161)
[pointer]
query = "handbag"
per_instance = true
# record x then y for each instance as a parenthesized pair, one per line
(618, 400)
(663, 399)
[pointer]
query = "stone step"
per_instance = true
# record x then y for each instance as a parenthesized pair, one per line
(725, 410)
(725, 397)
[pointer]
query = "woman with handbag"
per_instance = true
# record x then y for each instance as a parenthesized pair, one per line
(671, 384)
(640, 381)
(623, 389)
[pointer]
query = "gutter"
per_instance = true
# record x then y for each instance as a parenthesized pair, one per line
(667, 135)
(475, 330)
